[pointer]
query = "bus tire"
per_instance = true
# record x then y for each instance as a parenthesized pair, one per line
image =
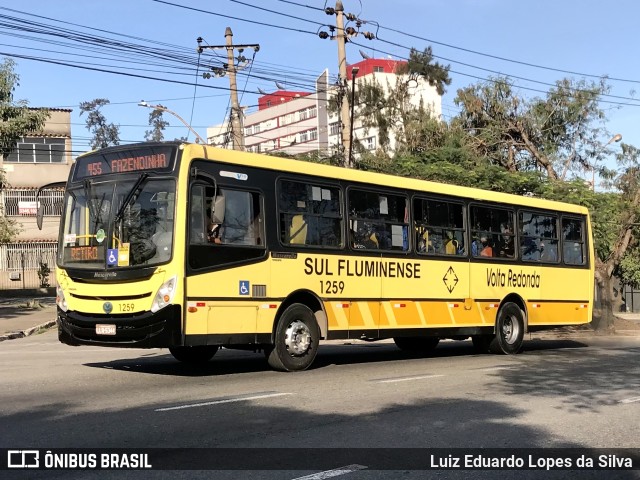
(295, 341)
(197, 354)
(509, 330)
(481, 343)
(416, 344)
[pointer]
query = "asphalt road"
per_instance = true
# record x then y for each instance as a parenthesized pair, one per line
(572, 392)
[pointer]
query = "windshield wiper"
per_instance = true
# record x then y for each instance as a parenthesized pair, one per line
(129, 196)
(89, 194)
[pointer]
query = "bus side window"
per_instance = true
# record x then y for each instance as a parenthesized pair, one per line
(378, 221)
(241, 210)
(444, 222)
(309, 214)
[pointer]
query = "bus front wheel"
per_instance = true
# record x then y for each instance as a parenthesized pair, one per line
(198, 354)
(295, 341)
(509, 330)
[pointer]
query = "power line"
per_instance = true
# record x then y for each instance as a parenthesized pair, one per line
(232, 17)
(519, 62)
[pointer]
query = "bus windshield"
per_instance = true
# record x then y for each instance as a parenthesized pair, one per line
(115, 224)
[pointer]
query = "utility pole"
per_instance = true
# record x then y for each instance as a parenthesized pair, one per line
(230, 68)
(342, 35)
(345, 121)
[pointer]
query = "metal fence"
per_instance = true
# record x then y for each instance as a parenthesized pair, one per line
(27, 265)
(22, 201)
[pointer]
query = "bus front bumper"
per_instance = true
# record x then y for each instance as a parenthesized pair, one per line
(145, 330)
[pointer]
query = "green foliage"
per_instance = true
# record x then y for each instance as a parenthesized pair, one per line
(17, 120)
(104, 134)
(421, 64)
(158, 124)
(9, 229)
(629, 268)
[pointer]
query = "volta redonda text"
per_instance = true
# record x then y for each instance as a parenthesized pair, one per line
(512, 278)
(362, 268)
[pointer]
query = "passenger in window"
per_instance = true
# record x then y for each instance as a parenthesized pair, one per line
(424, 242)
(573, 253)
(213, 232)
(506, 247)
(476, 247)
(451, 246)
(487, 250)
(365, 238)
(530, 250)
(548, 253)
(214, 229)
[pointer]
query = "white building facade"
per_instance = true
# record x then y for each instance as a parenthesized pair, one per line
(297, 122)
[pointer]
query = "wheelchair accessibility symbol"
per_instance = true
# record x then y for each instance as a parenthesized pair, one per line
(112, 257)
(243, 288)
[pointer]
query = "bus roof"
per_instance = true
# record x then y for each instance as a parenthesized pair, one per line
(379, 179)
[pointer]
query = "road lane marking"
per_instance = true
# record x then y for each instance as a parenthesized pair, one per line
(332, 473)
(225, 400)
(630, 400)
(404, 379)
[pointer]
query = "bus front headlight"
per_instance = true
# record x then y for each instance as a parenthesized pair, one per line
(164, 295)
(61, 301)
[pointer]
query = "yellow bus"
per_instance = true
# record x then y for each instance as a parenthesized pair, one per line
(193, 248)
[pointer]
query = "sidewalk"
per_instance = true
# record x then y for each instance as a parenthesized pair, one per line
(21, 317)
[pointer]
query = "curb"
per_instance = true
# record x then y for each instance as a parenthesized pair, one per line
(28, 331)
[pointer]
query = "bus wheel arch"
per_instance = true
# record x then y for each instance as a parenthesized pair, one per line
(510, 327)
(311, 300)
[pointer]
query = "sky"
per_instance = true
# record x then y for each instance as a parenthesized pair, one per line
(71, 51)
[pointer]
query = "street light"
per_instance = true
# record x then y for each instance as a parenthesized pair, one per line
(354, 72)
(162, 108)
(616, 138)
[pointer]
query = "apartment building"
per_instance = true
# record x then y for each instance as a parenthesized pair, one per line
(39, 159)
(298, 122)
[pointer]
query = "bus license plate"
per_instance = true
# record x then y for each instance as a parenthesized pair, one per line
(102, 329)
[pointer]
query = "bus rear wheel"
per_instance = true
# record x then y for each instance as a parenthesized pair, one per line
(509, 330)
(416, 344)
(295, 341)
(198, 354)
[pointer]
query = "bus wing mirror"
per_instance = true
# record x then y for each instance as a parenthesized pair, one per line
(40, 216)
(40, 211)
(207, 177)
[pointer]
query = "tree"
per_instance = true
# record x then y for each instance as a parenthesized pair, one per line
(421, 65)
(617, 218)
(388, 108)
(16, 121)
(553, 134)
(104, 134)
(157, 121)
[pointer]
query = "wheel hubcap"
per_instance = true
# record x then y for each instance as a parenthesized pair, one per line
(509, 330)
(297, 338)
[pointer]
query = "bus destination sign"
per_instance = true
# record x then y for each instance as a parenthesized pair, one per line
(159, 159)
